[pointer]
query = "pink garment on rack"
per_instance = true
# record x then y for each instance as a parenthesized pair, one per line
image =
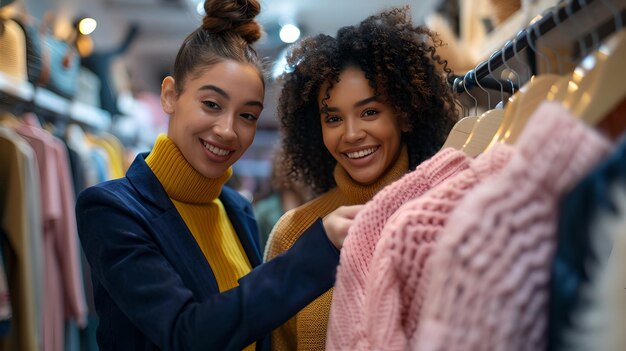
(64, 296)
(397, 282)
(490, 271)
(357, 250)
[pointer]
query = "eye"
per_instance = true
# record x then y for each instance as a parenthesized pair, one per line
(249, 116)
(210, 104)
(369, 112)
(331, 119)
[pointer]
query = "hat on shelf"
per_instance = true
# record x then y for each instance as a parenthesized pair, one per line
(13, 49)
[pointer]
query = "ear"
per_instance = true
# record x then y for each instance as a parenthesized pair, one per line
(168, 94)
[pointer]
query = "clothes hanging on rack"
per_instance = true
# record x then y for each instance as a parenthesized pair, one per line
(399, 276)
(64, 298)
(357, 250)
(48, 288)
(491, 268)
(22, 223)
(467, 264)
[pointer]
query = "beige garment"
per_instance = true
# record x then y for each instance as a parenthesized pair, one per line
(14, 156)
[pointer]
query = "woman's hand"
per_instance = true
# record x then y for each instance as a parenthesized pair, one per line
(337, 223)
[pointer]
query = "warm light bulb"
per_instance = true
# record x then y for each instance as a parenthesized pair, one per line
(87, 25)
(289, 33)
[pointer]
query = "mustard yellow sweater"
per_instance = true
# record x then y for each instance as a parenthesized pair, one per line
(307, 330)
(196, 199)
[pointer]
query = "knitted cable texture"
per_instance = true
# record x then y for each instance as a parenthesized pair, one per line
(490, 271)
(396, 284)
(363, 235)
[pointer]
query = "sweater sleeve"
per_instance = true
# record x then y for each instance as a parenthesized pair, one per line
(128, 264)
(284, 338)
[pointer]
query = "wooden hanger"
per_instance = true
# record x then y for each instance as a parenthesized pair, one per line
(597, 85)
(559, 88)
(461, 129)
(535, 92)
(487, 124)
(460, 132)
(484, 129)
(512, 104)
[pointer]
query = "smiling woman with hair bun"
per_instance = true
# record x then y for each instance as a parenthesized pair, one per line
(174, 253)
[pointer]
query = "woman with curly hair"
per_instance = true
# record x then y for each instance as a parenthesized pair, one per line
(357, 112)
(174, 253)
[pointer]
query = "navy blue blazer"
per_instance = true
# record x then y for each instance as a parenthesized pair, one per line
(154, 289)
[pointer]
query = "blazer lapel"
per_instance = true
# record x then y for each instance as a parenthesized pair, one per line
(178, 242)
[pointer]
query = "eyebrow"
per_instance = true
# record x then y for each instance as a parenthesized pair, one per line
(357, 104)
(227, 97)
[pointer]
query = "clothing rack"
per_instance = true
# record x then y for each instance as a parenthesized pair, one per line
(528, 37)
(468, 81)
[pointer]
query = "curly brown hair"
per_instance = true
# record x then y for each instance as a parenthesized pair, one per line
(401, 64)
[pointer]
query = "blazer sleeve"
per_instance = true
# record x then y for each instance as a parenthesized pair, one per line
(128, 263)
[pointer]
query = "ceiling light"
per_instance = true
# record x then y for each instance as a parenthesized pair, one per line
(289, 33)
(200, 8)
(87, 25)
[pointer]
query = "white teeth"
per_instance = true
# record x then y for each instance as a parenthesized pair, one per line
(362, 153)
(215, 150)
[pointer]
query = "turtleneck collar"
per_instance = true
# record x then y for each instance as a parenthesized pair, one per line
(359, 193)
(180, 180)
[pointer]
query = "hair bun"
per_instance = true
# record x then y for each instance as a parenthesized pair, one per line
(236, 16)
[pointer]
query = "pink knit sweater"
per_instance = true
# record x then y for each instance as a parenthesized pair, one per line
(359, 246)
(491, 268)
(397, 283)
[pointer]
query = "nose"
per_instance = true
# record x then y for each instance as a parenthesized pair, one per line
(224, 127)
(354, 131)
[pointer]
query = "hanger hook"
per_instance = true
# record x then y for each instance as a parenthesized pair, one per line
(516, 54)
(595, 37)
(581, 46)
(455, 89)
(496, 79)
(617, 16)
(507, 65)
(466, 78)
(557, 24)
(475, 76)
(531, 29)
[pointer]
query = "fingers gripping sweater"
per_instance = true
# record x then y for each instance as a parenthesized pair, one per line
(491, 268)
(363, 236)
(307, 330)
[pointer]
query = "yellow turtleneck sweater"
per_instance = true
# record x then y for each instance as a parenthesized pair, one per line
(307, 329)
(196, 199)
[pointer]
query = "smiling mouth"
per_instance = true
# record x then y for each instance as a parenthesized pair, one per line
(361, 153)
(215, 150)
